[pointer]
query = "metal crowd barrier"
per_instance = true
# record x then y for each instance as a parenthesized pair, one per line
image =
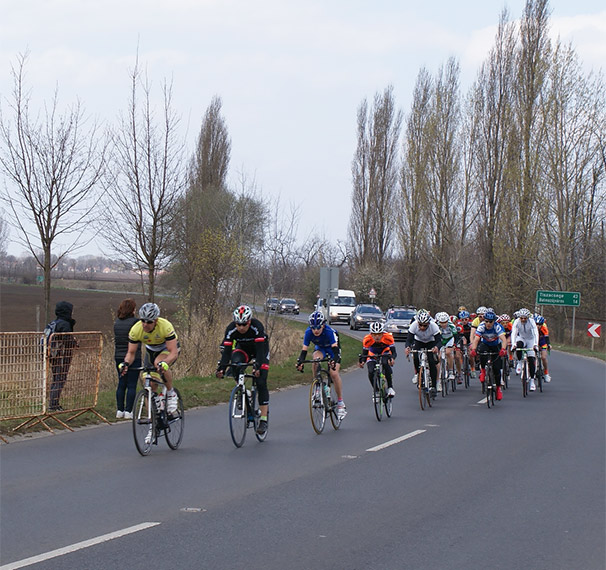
(40, 380)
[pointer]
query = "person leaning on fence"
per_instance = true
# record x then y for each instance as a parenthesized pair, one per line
(127, 383)
(60, 352)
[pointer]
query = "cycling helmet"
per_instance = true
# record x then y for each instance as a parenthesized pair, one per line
(149, 312)
(490, 316)
(316, 319)
(242, 315)
(442, 317)
(461, 308)
(504, 318)
(480, 310)
(463, 314)
(539, 319)
(377, 327)
(423, 317)
(489, 310)
(524, 313)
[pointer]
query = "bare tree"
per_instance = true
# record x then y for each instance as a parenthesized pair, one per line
(144, 182)
(375, 177)
(3, 236)
(52, 164)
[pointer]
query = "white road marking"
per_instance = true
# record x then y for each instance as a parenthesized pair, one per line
(392, 442)
(482, 401)
(77, 546)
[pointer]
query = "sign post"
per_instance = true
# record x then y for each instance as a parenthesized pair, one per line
(372, 293)
(561, 299)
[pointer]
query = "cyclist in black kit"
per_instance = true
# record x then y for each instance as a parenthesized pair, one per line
(248, 334)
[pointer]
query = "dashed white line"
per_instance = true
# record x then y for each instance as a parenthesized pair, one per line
(77, 546)
(393, 441)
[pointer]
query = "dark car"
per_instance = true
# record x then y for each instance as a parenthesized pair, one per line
(363, 315)
(288, 306)
(397, 321)
(271, 304)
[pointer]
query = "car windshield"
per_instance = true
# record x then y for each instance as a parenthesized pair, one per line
(401, 315)
(289, 302)
(370, 309)
(344, 301)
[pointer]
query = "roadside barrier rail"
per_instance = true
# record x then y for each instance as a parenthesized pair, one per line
(39, 381)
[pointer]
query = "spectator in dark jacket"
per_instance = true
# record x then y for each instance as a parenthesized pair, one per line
(61, 352)
(127, 383)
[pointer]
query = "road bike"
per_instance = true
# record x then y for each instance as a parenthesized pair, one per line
(150, 417)
(489, 386)
(244, 410)
(381, 401)
(539, 374)
(443, 371)
(322, 396)
(525, 374)
(426, 392)
(505, 371)
(465, 365)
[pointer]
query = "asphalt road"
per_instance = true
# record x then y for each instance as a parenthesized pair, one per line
(457, 486)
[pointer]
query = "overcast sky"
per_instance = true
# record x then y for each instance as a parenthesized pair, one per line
(291, 74)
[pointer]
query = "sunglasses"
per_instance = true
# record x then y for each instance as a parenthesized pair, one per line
(423, 326)
(148, 322)
(317, 328)
(489, 320)
(241, 324)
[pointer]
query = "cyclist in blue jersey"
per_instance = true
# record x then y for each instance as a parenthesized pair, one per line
(490, 338)
(326, 344)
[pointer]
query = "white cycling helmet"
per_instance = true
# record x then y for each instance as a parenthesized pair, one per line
(149, 312)
(377, 327)
(242, 314)
(442, 317)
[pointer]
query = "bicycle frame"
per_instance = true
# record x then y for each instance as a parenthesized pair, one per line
(322, 399)
(381, 401)
(243, 409)
(424, 378)
(525, 375)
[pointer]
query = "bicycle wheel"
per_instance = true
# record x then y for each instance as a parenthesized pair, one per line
(539, 373)
(176, 424)
(421, 387)
(317, 411)
(444, 378)
(144, 422)
(466, 370)
(428, 391)
(377, 398)
(505, 372)
(332, 405)
(387, 400)
(238, 420)
(524, 377)
(489, 382)
(257, 416)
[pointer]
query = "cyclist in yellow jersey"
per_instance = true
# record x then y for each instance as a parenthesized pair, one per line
(161, 347)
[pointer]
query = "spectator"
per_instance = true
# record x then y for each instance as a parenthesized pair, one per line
(61, 351)
(127, 383)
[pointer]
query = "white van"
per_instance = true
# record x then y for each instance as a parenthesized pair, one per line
(340, 306)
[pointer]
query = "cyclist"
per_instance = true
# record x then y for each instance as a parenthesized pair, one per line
(524, 334)
(161, 348)
(376, 344)
(326, 344)
(505, 321)
(449, 336)
(544, 345)
(490, 339)
(424, 333)
(248, 334)
(463, 325)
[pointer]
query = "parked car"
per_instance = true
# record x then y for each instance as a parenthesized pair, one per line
(397, 321)
(288, 306)
(363, 315)
(271, 304)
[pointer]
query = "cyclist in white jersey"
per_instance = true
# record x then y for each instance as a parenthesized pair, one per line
(524, 334)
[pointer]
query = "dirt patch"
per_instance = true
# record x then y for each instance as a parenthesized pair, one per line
(22, 307)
